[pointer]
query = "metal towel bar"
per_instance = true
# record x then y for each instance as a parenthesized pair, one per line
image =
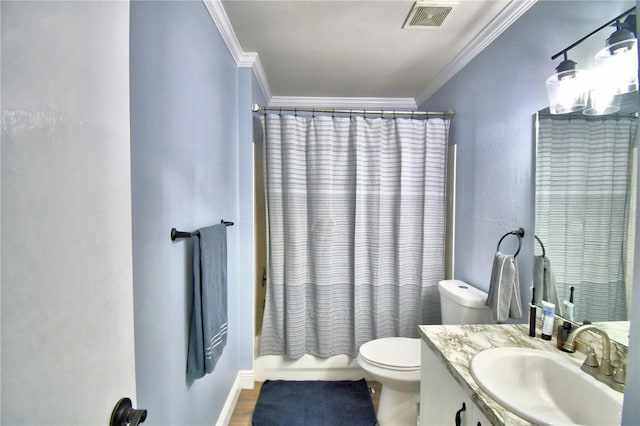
(181, 234)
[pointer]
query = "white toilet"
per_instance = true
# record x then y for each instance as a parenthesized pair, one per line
(395, 361)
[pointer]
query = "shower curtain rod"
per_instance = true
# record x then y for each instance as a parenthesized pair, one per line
(258, 108)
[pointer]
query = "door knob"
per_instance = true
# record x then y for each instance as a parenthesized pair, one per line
(123, 414)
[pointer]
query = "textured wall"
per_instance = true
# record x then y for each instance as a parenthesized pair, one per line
(188, 149)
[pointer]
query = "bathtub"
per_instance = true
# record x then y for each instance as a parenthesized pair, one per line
(309, 367)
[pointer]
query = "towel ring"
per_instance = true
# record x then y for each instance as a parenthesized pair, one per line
(541, 245)
(519, 233)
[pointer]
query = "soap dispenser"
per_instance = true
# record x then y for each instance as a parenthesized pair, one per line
(563, 333)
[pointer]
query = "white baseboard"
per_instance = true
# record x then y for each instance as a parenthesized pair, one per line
(309, 367)
(341, 367)
(244, 380)
(247, 379)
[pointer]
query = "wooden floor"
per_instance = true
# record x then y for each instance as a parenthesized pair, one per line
(247, 401)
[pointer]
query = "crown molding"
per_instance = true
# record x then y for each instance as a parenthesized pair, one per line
(241, 58)
(258, 71)
(342, 102)
(220, 18)
(497, 26)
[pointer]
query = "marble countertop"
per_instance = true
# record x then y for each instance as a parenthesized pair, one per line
(457, 344)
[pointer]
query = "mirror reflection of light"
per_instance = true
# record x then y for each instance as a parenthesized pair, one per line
(601, 103)
(603, 99)
(568, 91)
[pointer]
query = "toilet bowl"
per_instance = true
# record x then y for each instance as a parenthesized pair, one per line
(395, 361)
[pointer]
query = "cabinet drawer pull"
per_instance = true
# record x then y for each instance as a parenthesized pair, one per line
(458, 419)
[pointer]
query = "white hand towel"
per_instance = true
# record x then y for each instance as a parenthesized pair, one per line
(545, 283)
(504, 289)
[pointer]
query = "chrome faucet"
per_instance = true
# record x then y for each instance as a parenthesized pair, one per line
(602, 370)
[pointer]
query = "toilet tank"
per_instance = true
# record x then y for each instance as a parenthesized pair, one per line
(461, 303)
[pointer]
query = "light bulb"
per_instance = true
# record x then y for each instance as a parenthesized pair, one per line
(568, 91)
(618, 63)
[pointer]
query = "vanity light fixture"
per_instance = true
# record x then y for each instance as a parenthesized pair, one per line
(597, 93)
(568, 89)
(619, 59)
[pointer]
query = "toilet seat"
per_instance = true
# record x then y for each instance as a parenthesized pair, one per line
(393, 353)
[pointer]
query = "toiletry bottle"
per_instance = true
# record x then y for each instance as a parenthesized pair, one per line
(548, 313)
(563, 332)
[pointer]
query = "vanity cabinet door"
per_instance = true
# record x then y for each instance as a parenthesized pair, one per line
(478, 417)
(441, 398)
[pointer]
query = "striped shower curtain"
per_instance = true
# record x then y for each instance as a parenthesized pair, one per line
(356, 230)
(583, 171)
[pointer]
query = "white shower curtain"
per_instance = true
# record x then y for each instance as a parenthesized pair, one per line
(356, 230)
(583, 170)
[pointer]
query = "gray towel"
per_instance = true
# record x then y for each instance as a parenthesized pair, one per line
(545, 283)
(208, 329)
(504, 289)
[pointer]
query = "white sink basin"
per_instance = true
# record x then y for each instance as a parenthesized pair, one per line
(545, 388)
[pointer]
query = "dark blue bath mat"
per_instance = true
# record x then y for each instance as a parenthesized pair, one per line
(314, 403)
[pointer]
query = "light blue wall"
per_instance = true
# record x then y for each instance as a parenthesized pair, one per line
(495, 97)
(631, 414)
(191, 165)
(631, 410)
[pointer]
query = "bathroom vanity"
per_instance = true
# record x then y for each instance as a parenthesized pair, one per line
(447, 381)
(442, 398)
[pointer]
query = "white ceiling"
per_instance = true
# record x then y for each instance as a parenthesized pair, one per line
(358, 49)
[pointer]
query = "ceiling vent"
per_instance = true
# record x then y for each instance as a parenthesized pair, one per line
(427, 14)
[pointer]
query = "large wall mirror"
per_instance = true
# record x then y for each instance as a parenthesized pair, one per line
(585, 212)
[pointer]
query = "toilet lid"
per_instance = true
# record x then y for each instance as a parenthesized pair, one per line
(395, 353)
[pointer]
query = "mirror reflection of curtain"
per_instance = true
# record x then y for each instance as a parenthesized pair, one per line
(583, 202)
(356, 230)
